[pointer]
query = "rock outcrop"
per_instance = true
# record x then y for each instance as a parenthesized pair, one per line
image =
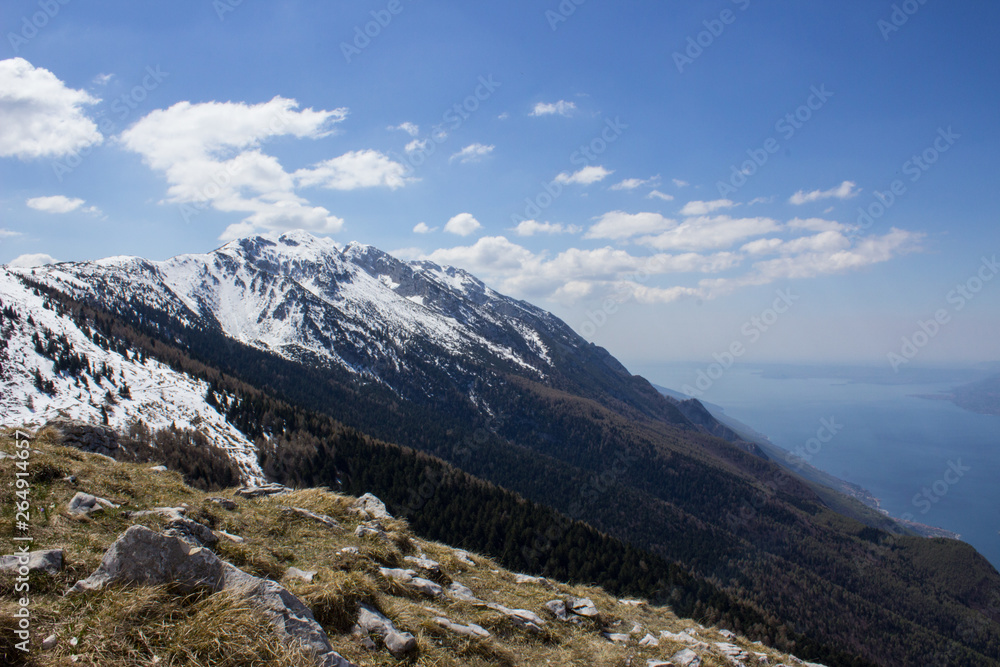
(142, 556)
(50, 561)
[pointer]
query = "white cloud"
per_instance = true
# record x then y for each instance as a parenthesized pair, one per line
(354, 170)
(472, 153)
(422, 228)
(585, 176)
(704, 233)
(633, 183)
(816, 225)
(462, 224)
(656, 194)
(39, 115)
(706, 207)
(35, 259)
(8, 234)
(417, 145)
(621, 225)
(845, 190)
(681, 184)
(760, 200)
(54, 204)
(410, 128)
(210, 154)
(103, 79)
(503, 116)
(824, 242)
(562, 107)
(532, 227)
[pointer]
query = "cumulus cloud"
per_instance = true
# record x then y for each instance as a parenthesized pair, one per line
(32, 260)
(681, 184)
(709, 232)
(462, 224)
(354, 170)
(532, 227)
(210, 154)
(586, 176)
(39, 115)
(562, 108)
(621, 225)
(816, 225)
(8, 234)
(55, 204)
(706, 207)
(633, 183)
(656, 194)
(410, 128)
(845, 190)
(422, 228)
(472, 153)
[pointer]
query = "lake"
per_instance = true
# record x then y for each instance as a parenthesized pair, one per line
(925, 458)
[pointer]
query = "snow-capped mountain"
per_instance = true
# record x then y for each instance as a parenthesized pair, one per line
(99, 383)
(415, 327)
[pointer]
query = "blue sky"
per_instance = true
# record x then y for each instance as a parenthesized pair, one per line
(675, 180)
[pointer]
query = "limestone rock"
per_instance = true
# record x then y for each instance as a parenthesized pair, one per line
(426, 564)
(296, 573)
(469, 630)
(158, 469)
(50, 561)
(582, 607)
(615, 637)
(731, 651)
(85, 504)
(235, 539)
(528, 620)
(262, 491)
(192, 531)
(649, 640)
(457, 591)
(141, 556)
(727, 634)
(558, 609)
(323, 519)
(463, 556)
(686, 658)
(168, 513)
(365, 530)
(371, 621)
(409, 578)
(49, 642)
(86, 437)
(371, 506)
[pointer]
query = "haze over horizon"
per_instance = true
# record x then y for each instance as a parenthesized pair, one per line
(675, 182)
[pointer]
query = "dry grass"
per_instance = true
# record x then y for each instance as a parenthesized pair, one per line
(129, 626)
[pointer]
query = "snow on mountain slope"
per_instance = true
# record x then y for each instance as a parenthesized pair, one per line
(314, 301)
(155, 394)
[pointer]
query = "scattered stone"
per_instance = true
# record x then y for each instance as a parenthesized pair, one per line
(50, 561)
(425, 564)
(469, 630)
(686, 658)
(371, 506)
(636, 629)
(649, 640)
(457, 591)
(350, 550)
(224, 503)
(159, 469)
(615, 637)
(653, 662)
(410, 579)
(558, 609)
(296, 573)
(370, 531)
(74, 641)
(528, 579)
(523, 618)
(731, 651)
(49, 642)
(236, 539)
(168, 513)
(83, 504)
(631, 603)
(582, 607)
(463, 556)
(141, 556)
(371, 621)
(262, 491)
(727, 634)
(323, 519)
(71, 479)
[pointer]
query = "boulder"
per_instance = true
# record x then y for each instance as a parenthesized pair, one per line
(558, 609)
(191, 531)
(50, 561)
(686, 658)
(372, 506)
(470, 630)
(322, 519)
(83, 504)
(370, 621)
(144, 557)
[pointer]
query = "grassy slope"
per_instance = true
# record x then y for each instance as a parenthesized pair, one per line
(130, 626)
